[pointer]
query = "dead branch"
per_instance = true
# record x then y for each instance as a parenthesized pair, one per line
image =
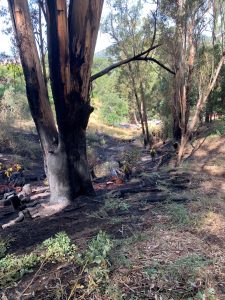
(122, 62)
(195, 148)
(157, 62)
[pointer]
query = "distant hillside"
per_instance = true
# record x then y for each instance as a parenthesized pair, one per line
(102, 54)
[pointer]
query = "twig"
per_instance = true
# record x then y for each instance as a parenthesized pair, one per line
(196, 148)
(126, 285)
(75, 285)
(35, 275)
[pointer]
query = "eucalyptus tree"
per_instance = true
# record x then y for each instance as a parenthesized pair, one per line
(72, 33)
(132, 33)
(72, 28)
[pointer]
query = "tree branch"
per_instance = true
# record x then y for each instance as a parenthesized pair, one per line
(41, 4)
(154, 14)
(157, 62)
(120, 63)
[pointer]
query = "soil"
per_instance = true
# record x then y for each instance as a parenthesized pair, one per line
(153, 183)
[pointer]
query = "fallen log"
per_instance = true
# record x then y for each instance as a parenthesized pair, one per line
(20, 218)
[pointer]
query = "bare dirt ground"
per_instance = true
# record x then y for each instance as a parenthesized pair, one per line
(174, 221)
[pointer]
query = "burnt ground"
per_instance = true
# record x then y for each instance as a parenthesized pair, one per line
(159, 198)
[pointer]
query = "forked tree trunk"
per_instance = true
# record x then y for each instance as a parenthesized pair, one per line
(138, 104)
(199, 106)
(179, 85)
(71, 48)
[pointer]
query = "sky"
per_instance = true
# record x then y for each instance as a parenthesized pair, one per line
(103, 40)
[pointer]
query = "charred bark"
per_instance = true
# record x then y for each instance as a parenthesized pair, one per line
(71, 50)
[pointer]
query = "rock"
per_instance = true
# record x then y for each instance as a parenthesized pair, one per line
(8, 195)
(20, 217)
(27, 189)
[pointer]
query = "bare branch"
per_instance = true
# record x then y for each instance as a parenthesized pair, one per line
(157, 62)
(122, 62)
(202, 100)
(154, 14)
(43, 8)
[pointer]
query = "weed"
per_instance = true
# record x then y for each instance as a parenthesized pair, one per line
(59, 248)
(12, 267)
(112, 204)
(184, 278)
(120, 260)
(208, 294)
(179, 214)
(116, 220)
(131, 157)
(95, 265)
(3, 248)
(186, 269)
(218, 130)
(113, 293)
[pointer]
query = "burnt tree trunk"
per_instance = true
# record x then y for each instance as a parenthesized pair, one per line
(71, 43)
(41, 46)
(145, 117)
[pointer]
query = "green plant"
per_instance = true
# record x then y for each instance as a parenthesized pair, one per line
(113, 293)
(183, 278)
(3, 248)
(94, 265)
(186, 269)
(12, 267)
(179, 214)
(96, 260)
(59, 248)
(113, 204)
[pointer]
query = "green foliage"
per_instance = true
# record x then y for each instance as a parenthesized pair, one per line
(183, 278)
(114, 204)
(98, 249)
(111, 205)
(95, 265)
(179, 214)
(15, 104)
(13, 268)
(11, 77)
(113, 107)
(218, 129)
(97, 254)
(55, 249)
(94, 262)
(59, 248)
(187, 268)
(3, 248)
